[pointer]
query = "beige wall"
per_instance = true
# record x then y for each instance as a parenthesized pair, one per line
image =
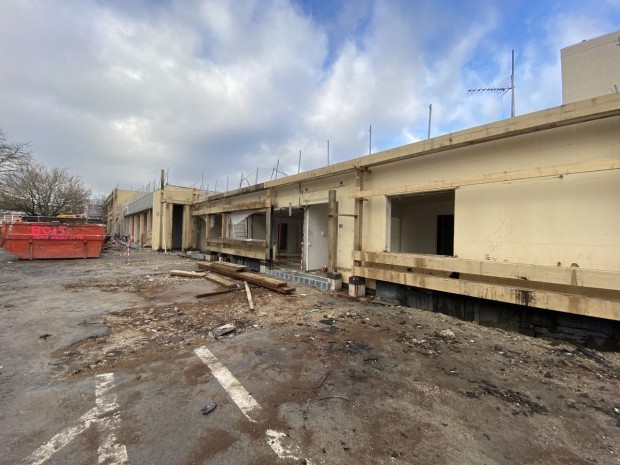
(555, 222)
(113, 206)
(591, 68)
(542, 221)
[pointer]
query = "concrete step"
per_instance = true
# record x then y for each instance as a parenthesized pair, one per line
(307, 279)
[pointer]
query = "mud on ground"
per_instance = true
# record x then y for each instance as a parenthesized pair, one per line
(392, 384)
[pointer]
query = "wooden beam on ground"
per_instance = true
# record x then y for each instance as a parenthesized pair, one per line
(569, 303)
(274, 284)
(188, 274)
(545, 274)
(249, 295)
(590, 166)
(210, 294)
(221, 280)
(221, 265)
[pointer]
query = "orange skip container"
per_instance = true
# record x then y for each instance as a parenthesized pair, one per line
(35, 240)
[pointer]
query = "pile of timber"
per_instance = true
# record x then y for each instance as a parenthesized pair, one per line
(221, 280)
(240, 272)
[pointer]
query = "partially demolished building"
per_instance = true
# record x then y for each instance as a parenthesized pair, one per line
(523, 211)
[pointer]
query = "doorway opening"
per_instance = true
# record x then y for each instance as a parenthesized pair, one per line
(288, 237)
(177, 227)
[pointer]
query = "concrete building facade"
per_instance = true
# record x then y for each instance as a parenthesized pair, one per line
(114, 210)
(162, 219)
(522, 212)
(591, 68)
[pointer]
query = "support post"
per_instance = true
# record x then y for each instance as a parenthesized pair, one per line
(268, 232)
(359, 210)
(332, 231)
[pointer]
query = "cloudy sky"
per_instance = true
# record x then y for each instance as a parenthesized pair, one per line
(210, 89)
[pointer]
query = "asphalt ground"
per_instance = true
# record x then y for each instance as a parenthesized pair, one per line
(317, 379)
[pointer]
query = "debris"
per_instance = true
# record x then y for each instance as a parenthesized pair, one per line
(207, 409)
(249, 294)
(223, 330)
(44, 336)
(327, 321)
(188, 274)
(590, 353)
(322, 380)
(171, 314)
(447, 334)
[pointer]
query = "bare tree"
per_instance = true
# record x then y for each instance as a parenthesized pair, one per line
(12, 156)
(38, 190)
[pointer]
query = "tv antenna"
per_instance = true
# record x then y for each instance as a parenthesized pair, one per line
(501, 89)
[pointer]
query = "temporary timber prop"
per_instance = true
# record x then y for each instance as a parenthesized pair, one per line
(240, 272)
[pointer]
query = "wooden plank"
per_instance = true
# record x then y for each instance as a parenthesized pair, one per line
(209, 294)
(568, 303)
(221, 265)
(573, 113)
(545, 274)
(221, 280)
(565, 115)
(259, 254)
(231, 242)
(233, 207)
(249, 295)
(590, 166)
(253, 278)
(273, 281)
(188, 274)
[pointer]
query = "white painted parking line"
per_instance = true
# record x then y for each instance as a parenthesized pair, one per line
(233, 387)
(274, 439)
(107, 418)
(245, 402)
(110, 452)
(45, 452)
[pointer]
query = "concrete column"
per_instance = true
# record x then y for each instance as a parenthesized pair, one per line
(357, 286)
(334, 281)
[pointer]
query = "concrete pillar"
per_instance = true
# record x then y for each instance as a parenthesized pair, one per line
(357, 286)
(334, 281)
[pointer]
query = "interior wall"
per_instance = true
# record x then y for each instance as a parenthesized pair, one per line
(177, 226)
(258, 226)
(215, 225)
(294, 231)
(418, 220)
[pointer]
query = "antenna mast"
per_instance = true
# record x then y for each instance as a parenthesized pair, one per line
(502, 89)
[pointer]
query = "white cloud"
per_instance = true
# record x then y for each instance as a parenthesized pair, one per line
(118, 90)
